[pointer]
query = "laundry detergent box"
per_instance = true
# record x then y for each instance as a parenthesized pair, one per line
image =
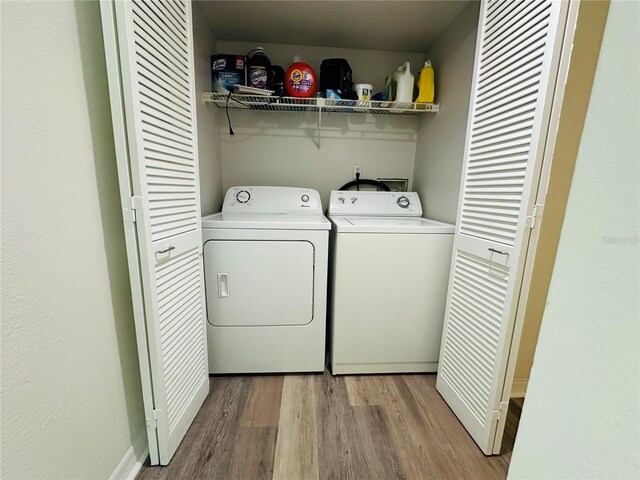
(227, 70)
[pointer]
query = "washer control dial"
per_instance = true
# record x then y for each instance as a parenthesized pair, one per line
(403, 202)
(243, 196)
(304, 198)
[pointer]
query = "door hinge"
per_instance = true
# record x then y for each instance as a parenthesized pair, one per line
(153, 421)
(537, 212)
(502, 410)
(130, 214)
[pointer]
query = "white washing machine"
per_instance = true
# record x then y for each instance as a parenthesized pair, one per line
(265, 266)
(390, 271)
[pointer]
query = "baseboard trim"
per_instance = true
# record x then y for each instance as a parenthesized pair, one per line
(133, 460)
(519, 388)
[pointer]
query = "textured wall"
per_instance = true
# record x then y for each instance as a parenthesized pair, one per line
(71, 398)
(581, 417)
(440, 148)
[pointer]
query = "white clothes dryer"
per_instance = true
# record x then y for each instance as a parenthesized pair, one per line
(390, 271)
(265, 267)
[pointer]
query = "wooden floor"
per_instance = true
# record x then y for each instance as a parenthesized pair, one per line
(296, 427)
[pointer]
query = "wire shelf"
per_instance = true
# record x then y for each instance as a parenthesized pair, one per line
(292, 104)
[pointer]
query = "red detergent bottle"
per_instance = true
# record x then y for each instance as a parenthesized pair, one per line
(300, 80)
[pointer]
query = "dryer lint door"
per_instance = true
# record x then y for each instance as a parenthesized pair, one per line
(259, 283)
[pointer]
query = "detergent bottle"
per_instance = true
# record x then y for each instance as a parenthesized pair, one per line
(426, 84)
(258, 69)
(402, 84)
(300, 79)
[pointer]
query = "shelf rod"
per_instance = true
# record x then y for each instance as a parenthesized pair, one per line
(319, 124)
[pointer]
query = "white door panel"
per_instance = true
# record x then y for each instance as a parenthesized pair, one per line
(148, 47)
(517, 58)
(486, 249)
(403, 329)
(254, 283)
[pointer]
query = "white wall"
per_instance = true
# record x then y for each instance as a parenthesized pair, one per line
(581, 414)
(279, 148)
(204, 45)
(71, 396)
(440, 148)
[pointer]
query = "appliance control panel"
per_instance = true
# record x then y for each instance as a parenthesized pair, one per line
(285, 200)
(391, 204)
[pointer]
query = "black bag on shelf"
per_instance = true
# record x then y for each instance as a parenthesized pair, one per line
(335, 74)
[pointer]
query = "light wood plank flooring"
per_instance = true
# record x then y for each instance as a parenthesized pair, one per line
(298, 427)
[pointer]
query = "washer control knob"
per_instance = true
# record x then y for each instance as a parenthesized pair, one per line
(243, 196)
(304, 198)
(403, 202)
(341, 199)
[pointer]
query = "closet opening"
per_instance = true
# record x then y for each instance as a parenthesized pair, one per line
(500, 79)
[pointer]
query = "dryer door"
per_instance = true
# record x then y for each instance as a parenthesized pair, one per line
(259, 283)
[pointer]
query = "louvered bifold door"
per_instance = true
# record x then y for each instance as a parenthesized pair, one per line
(516, 63)
(148, 44)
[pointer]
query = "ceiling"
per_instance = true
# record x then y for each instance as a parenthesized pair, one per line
(405, 26)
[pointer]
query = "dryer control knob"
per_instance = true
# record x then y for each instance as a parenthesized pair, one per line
(243, 196)
(403, 202)
(304, 198)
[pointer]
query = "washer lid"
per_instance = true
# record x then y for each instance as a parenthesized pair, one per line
(266, 221)
(390, 225)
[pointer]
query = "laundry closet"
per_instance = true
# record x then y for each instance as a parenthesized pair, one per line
(290, 148)
(474, 157)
